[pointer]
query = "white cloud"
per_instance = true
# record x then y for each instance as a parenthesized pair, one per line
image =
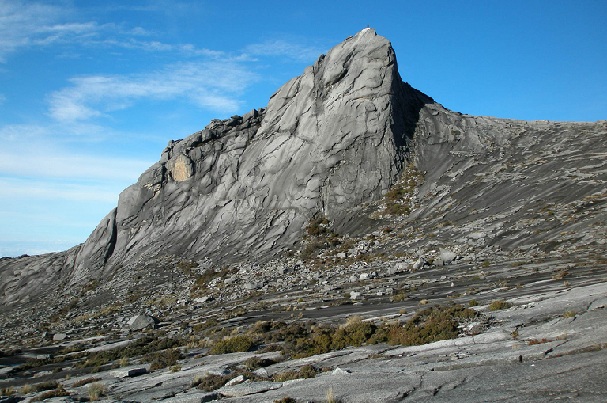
(30, 189)
(25, 24)
(54, 163)
(282, 48)
(214, 85)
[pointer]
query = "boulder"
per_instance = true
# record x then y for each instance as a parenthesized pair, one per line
(140, 322)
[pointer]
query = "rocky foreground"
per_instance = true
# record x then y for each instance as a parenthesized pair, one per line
(354, 241)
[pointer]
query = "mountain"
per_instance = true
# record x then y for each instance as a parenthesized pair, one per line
(350, 186)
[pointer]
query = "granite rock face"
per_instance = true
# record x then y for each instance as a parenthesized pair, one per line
(328, 140)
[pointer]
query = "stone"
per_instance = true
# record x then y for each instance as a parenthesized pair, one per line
(236, 380)
(339, 371)
(130, 372)
(140, 322)
(59, 336)
(447, 256)
(355, 295)
(419, 263)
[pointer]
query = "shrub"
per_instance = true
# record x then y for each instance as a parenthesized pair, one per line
(255, 362)
(354, 333)
(210, 382)
(234, 344)
(430, 325)
(163, 359)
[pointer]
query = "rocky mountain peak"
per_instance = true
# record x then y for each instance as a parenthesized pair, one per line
(327, 141)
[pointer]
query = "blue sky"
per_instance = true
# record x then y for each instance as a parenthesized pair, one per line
(92, 91)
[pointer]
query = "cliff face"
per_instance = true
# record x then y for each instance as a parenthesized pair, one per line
(328, 140)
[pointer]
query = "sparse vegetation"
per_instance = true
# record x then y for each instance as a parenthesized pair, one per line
(398, 200)
(146, 346)
(319, 235)
(303, 339)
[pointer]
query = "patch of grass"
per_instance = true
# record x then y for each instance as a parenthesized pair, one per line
(58, 392)
(472, 302)
(499, 305)
(300, 340)
(307, 371)
(85, 381)
(96, 391)
(286, 399)
(50, 385)
(319, 235)
(7, 391)
(569, 314)
(532, 342)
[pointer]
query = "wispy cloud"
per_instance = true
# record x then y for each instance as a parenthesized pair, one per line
(25, 24)
(47, 190)
(211, 85)
(283, 48)
(57, 164)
